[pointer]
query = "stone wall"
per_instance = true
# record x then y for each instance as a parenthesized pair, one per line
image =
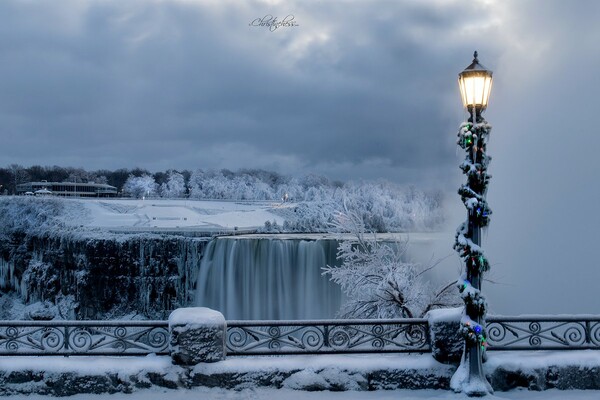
(59, 376)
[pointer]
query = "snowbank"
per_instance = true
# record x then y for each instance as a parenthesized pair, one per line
(198, 316)
(566, 370)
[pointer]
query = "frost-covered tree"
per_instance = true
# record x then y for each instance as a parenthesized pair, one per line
(78, 175)
(18, 175)
(208, 185)
(378, 280)
(229, 185)
(174, 187)
(140, 186)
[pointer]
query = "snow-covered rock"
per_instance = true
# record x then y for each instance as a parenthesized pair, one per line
(446, 341)
(197, 334)
(331, 378)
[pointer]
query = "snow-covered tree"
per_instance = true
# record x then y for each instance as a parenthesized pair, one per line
(18, 175)
(99, 179)
(140, 186)
(378, 280)
(174, 187)
(78, 175)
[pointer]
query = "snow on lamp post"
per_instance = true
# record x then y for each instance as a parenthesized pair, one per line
(475, 84)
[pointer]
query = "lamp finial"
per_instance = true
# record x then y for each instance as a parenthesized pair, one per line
(475, 56)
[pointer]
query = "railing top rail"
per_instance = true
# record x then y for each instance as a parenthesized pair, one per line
(336, 322)
(54, 323)
(543, 318)
(489, 319)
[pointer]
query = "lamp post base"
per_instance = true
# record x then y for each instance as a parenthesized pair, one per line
(465, 380)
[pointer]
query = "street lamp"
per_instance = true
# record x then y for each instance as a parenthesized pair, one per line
(475, 84)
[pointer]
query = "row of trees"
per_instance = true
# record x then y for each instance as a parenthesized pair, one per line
(228, 185)
(14, 174)
(245, 184)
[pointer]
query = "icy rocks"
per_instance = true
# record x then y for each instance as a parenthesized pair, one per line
(197, 334)
(446, 341)
(334, 379)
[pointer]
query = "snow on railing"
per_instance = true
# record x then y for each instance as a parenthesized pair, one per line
(127, 338)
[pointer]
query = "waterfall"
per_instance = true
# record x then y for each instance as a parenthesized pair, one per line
(262, 278)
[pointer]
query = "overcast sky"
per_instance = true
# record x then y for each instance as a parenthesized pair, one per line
(357, 90)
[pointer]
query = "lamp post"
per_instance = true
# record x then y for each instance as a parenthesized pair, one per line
(475, 84)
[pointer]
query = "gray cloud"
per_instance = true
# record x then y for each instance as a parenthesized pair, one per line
(358, 90)
(164, 84)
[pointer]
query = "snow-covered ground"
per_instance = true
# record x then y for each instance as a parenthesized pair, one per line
(199, 215)
(287, 394)
(248, 372)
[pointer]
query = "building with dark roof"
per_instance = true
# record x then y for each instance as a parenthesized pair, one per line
(70, 189)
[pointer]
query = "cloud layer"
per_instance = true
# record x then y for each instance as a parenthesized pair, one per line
(358, 90)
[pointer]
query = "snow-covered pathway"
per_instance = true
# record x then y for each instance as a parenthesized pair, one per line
(287, 394)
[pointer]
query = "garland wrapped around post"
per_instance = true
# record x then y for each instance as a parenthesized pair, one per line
(472, 137)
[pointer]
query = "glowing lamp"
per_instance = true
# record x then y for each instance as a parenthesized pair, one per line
(475, 83)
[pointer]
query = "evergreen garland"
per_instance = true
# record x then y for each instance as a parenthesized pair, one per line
(472, 137)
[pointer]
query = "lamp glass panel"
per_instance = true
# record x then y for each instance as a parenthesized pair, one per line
(475, 89)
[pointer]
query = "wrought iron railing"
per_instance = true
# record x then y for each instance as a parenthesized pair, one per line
(84, 337)
(292, 337)
(327, 337)
(578, 332)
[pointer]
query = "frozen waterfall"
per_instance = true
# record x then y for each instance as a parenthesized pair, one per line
(268, 278)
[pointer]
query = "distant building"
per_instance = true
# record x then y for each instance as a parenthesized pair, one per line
(68, 189)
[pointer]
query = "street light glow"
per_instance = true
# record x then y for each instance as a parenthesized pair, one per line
(475, 84)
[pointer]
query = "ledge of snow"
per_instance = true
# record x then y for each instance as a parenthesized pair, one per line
(196, 316)
(444, 315)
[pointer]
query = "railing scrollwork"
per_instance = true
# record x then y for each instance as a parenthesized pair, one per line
(84, 337)
(326, 336)
(544, 333)
(292, 337)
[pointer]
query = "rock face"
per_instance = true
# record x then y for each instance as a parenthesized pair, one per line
(103, 276)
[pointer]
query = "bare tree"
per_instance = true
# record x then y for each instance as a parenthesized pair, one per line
(377, 279)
